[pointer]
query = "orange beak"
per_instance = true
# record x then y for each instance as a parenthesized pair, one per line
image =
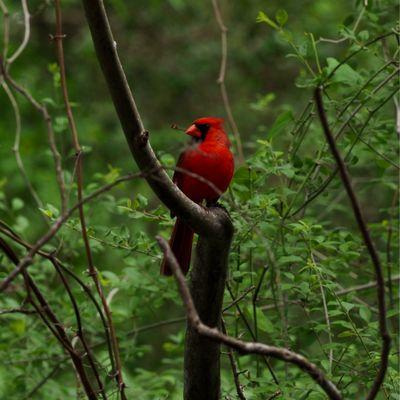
(193, 131)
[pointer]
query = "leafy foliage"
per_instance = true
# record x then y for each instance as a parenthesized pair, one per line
(296, 250)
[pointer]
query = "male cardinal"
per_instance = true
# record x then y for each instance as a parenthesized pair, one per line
(208, 157)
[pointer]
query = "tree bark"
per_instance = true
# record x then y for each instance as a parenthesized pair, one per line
(207, 283)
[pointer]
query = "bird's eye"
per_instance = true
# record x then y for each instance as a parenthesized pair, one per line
(203, 128)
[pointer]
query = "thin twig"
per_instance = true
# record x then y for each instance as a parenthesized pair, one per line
(252, 334)
(365, 286)
(75, 139)
(51, 321)
(238, 299)
(58, 223)
(6, 29)
(27, 32)
(369, 244)
(221, 80)
(235, 372)
(16, 146)
(80, 332)
(57, 263)
(43, 381)
(50, 134)
(239, 345)
(17, 311)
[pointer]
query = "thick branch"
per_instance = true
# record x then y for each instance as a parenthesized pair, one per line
(239, 345)
(106, 49)
(207, 283)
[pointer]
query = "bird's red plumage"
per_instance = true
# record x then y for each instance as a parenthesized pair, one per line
(211, 159)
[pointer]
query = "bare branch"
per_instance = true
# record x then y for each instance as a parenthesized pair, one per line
(6, 29)
(16, 146)
(17, 311)
(51, 321)
(368, 242)
(239, 299)
(50, 133)
(79, 168)
(239, 345)
(27, 33)
(221, 79)
(235, 373)
(365, 286)
(199, 219)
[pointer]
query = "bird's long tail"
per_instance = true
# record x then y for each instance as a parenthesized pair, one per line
(181, 245)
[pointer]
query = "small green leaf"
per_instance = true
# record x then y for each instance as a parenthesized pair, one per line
(280, 123)
(17, 204)
(47, 213)
(365, 313)
(18, 327)
(289, 259)
(262, 17)
(347, 306)
(281, 16)
(344, 74)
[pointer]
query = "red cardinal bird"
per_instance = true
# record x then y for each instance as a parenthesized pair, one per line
(209, 157)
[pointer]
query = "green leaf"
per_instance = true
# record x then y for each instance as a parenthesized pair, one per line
(280, 123)
(262, 17)
(344, 74)
(347, 306)
(18, 326)
(289, 259)
(17, 204)
(365, 313)
(281, 16)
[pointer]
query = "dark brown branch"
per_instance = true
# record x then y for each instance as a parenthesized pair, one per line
(235, 372)
(238, 299)
(57, 263)
(197, 217)
(80, 332)
(368, 242)
(239, 345)
(17, 311)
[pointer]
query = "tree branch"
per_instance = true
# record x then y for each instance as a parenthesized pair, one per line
(368, 242)
(202, 221)
(221, 80)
